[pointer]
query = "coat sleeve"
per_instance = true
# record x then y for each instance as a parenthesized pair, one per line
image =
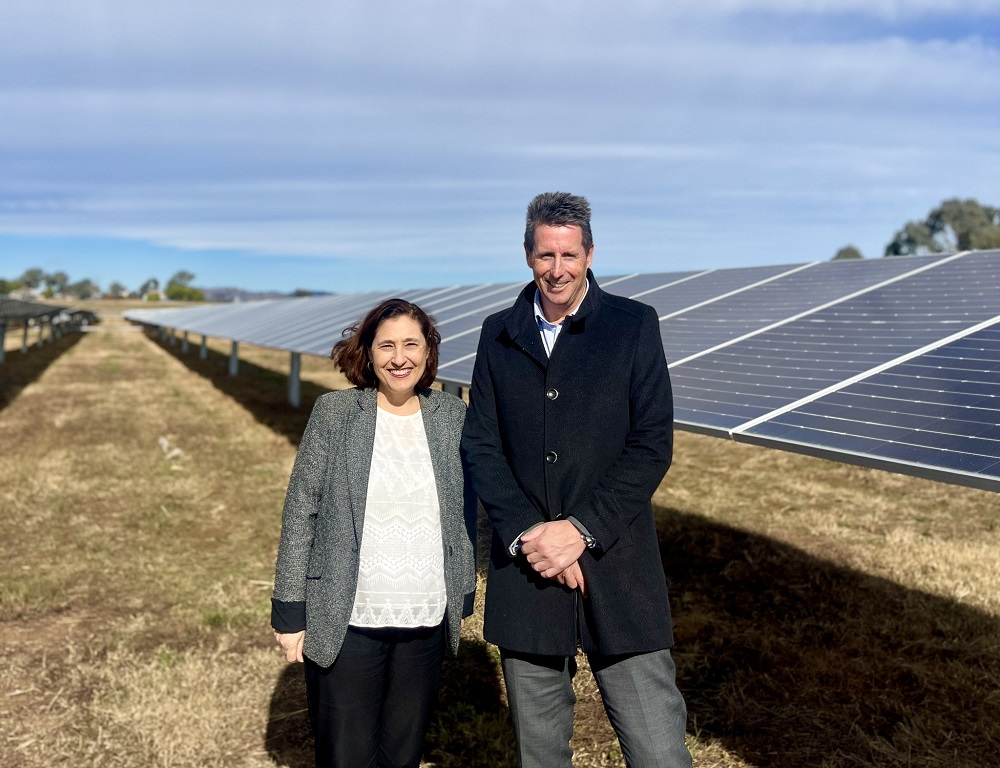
(298, 520)
(627, 487)
(508, 508)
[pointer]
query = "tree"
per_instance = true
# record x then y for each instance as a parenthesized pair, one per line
(180, 289)
(181, 278)
(84, 289)
(57, 281)
(6, 286)
(847, 252)
(117, 291)
(955, 225)
(986, 239)
(32, 278)
(149, 286)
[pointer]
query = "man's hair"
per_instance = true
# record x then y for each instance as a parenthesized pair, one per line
(353, 353)
(558, 209)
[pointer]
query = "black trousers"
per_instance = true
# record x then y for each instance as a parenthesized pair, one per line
(371, 707)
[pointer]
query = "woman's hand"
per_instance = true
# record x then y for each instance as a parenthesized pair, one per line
(291, 643)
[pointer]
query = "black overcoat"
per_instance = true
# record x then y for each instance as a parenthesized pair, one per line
(588, 433)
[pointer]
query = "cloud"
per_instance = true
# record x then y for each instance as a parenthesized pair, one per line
(417, 131)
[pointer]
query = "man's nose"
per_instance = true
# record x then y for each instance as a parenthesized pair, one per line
(557, 266)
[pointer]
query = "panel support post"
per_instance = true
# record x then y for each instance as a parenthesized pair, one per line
(24, 340)
(451, 388)
(184, 343)
(172, 337)
(203, 349)
(295, 381)
(234, 359)
(163, 335)
(3, 334)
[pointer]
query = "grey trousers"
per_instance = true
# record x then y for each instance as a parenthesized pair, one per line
(640, 696)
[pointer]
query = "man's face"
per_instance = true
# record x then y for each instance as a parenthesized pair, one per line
(560, 266)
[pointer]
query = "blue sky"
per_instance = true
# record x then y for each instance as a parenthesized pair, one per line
(350, 145)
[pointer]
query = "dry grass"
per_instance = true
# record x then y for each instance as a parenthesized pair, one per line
(826, 615)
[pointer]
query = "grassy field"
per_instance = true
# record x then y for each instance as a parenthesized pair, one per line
(826, 615)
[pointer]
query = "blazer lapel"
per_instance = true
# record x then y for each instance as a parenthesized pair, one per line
(359, 448)
(437, 443)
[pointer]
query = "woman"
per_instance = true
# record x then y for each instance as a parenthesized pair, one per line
(376, 565)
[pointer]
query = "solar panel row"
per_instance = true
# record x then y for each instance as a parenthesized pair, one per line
(887, 362)
(18, 311)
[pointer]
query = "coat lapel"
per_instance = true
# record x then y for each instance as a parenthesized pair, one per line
(522, 329)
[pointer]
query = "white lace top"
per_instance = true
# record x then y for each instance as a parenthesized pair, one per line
(401, 576)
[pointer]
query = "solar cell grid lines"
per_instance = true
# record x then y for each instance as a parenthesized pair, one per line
(886, 362)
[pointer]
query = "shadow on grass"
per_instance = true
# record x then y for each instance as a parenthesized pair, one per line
(789, 660)
(469, 729)
(262, 391)
(289, 738)
(19, 369)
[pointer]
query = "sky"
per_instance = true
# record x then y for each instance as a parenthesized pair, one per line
(370, 145)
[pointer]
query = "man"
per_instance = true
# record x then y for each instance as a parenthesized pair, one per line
(568, 435)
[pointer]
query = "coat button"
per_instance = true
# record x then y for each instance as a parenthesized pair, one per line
(552, 394)
(552, 457)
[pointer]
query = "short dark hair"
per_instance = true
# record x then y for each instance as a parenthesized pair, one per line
(353, 353)
(558, 209)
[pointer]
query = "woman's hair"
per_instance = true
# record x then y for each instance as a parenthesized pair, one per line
(353, 353)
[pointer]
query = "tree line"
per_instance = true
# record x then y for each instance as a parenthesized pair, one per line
(57, 284)
(955, 225)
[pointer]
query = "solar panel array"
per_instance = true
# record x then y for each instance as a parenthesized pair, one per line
(893, 363)
(19, 311)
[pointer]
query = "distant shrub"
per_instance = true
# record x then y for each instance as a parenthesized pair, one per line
(176, 292)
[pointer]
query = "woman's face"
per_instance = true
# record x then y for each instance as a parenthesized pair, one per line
(399, 356)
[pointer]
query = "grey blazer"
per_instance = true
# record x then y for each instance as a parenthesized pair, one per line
(324, 514)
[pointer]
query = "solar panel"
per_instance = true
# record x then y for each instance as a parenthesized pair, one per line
(703, 327)
(885, 362)
(938, 412)
(17, 310)
(751, 376)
